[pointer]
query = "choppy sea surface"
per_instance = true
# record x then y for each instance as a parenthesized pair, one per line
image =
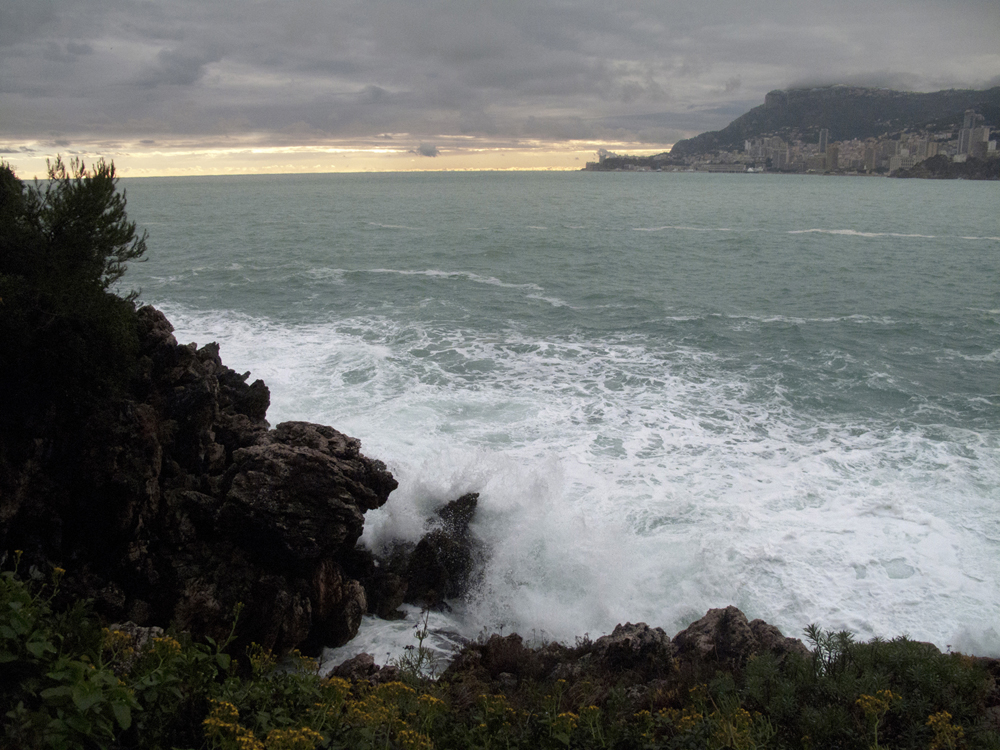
(672, 391)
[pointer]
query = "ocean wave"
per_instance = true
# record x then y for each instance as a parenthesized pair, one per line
(378, 225)
(434, 273)
(686, 229)
(555, 302)
(714, 479)
(857, 318)
(856, 233)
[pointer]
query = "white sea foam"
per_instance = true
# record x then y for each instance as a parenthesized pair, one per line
(623, 484)
(434, 273)
(391, 226)
(685, 229)
(856, 233)
(724, 413)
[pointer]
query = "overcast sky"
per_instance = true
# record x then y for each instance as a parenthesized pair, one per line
(430, 78)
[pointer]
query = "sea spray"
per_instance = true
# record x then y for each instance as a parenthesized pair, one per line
(801, 423)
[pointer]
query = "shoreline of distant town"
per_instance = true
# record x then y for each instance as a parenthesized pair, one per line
(969, 153)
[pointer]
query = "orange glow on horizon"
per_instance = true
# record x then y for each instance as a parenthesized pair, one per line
(453, 154)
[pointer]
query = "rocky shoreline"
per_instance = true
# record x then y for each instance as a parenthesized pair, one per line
(175, 506)
(178, 505)
(724, 639)
(175, 503)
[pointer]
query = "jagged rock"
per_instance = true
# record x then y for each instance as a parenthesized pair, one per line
(363, 668)
(300, 493)
(635, 646)
(439, 567)
(769, 638)
(641, 661)
(725, 636)
(136, 638)
(504, 659)
(356, 668)
(443, 560)
(722, 635)
(386, 592)
(175, 502)
(384, 587)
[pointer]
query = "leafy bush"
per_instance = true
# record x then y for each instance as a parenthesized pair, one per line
(66, 682)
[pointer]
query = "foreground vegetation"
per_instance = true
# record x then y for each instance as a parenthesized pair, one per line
(68, 682)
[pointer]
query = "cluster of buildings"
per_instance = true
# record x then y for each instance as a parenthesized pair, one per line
(871, 156)
(883, 155)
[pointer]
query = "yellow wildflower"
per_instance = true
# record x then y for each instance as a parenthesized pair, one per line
(946, 734)
(293, 739)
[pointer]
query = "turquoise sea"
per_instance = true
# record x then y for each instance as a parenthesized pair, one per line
(672, 391)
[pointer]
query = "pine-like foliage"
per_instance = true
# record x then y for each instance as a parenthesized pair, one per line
(65, 242)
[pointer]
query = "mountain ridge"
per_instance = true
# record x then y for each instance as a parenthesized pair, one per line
(848, 112)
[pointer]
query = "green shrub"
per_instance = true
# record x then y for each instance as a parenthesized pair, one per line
(66, 682)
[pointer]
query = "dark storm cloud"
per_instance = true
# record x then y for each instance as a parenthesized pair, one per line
(646, 70)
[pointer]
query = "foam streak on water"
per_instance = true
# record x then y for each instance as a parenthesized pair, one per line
(794, 409)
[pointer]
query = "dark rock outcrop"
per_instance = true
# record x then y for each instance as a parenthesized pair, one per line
(363, 668)
(441, 566)
(725, 637)
(635, 646)
(175, 503)
(632, 656)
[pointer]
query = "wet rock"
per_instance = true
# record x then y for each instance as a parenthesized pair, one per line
(443, 561)
(356, 668)
(635, 646)
(175, 502)
(362, 668)
(440, 566)
(725, 636)
(770, 639)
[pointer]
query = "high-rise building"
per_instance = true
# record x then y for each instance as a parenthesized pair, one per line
(832, 157)
(871, 154)
(824, 140)
(979, 143)
(970, 133)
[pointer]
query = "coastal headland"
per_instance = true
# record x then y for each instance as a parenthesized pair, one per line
(844, 130)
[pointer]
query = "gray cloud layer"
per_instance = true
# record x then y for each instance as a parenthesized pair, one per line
(309, 70)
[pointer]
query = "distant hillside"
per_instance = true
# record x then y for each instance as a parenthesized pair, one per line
(848, 113)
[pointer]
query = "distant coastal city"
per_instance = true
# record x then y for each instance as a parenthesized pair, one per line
(944, 146)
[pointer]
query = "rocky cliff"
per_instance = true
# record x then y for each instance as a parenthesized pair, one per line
(174, 502)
